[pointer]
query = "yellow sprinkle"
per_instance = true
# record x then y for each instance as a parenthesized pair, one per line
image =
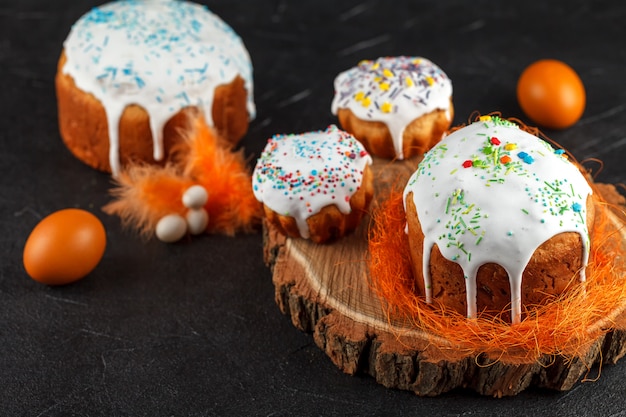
(386, 107)
(409, 82)
(430, 80)
(387, 73)
(510, 146)
(359, 96)
(384, 86)
(375, 66)
(484, 118)
(417, 60)
(378, 79)
(366, 102)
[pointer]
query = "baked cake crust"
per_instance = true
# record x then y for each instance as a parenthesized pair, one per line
(419, 136)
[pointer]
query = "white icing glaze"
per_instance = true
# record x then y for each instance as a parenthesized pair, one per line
(163, 55)
(298, 175)
(490, 192)
(394, 91)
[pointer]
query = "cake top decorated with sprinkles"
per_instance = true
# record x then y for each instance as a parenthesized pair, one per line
(163, 55)
(491, 192)
(298, 175)
(393, 90)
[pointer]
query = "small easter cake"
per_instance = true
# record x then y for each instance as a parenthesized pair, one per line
(398, 107)
(497, 221)
(132, 73)
(317, 185)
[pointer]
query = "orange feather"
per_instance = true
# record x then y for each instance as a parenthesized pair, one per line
(145, 193)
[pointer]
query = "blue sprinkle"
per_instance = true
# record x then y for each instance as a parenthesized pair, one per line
(99, 16)
(522, 155)
(577, 207)
(195, 25)
(559, 151)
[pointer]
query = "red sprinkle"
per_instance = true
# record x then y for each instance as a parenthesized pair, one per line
(468, 164)
(495, 141)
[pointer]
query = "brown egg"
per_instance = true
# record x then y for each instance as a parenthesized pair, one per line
(64, 247)
(551, 94)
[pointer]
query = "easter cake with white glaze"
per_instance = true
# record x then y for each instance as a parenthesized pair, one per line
(398, 107)
(497, 221)
(316, 185)
(132, 73)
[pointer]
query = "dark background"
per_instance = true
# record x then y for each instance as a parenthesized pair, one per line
(191, 329)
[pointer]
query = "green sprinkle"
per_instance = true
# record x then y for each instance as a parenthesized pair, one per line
(550, 185)
(525, 211)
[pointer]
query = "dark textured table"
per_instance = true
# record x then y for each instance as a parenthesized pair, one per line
(192, 329)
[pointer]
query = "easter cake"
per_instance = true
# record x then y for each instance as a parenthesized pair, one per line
(497, 220)
(315, 185)
(133, 73)
(398, 107)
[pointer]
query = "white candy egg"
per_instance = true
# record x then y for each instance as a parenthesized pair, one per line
(195, 197)
(197, 220)
(171, 228)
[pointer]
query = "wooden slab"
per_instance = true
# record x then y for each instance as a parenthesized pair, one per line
(326, 290)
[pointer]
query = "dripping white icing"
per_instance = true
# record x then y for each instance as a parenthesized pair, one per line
(298, 175)
(162, 55)
(393, 90)
(491, 192)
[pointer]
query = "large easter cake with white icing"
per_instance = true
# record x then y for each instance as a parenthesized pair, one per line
(133, 72)
(498, 221)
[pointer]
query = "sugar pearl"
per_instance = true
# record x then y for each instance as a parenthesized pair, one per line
(197, 220)
(171, 228)
(195, 197)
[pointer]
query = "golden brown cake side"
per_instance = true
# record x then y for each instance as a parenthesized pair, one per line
(418, 137)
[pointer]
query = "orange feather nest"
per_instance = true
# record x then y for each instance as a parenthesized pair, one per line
(146, 193)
